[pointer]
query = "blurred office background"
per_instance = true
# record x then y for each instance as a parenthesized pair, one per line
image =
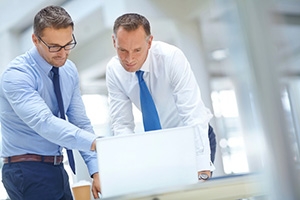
(245, 55)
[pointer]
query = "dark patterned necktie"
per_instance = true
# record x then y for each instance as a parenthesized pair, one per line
(61, 110)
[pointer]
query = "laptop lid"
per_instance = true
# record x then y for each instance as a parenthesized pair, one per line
(148, 161)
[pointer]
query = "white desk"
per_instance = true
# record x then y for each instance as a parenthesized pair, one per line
(226, 188)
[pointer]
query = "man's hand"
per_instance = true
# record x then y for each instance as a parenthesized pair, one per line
(96, 185)
(206, 172)
(93, 147)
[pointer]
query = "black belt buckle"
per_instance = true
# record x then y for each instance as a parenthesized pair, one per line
(55, 161)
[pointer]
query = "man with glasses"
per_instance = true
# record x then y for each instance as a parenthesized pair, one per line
(37, 89)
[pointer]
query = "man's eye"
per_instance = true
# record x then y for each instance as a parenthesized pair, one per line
(55, 48)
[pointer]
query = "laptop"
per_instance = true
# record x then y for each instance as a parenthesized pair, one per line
(145, 162)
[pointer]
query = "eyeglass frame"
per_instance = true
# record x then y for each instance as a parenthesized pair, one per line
(73, 43)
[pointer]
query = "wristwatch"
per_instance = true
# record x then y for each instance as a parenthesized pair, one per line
(203, 176)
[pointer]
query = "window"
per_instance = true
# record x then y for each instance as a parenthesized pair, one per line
(231, 141)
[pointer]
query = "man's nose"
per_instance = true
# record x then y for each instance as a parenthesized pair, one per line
(62, 51)
(129, 57)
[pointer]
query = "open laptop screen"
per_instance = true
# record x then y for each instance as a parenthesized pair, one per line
(145, 162)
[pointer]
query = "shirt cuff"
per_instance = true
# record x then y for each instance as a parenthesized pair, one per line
(92, 165)
(204, 163)
(86, 140)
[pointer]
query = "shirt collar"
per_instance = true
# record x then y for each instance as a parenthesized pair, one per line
(146, 66)
(42, 63)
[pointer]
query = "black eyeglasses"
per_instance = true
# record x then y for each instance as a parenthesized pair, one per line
(58, 48)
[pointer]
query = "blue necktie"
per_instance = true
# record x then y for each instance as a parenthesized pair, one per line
(61, 110)
(149, 112)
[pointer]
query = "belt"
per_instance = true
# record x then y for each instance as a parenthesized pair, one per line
(56, 160)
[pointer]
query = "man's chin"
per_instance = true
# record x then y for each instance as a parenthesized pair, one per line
(59, 64)
(131, 69)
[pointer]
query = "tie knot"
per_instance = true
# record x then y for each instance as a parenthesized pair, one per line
(139, 75)
(55, 70)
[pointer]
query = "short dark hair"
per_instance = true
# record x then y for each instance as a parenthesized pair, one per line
(51, 17)
(131, 22)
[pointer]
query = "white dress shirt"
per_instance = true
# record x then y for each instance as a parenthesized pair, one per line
(174, 90)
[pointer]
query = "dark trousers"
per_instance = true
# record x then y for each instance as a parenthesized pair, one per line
(36, 181)
(212, 143)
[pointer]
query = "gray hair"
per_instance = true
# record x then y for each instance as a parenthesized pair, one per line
(131, 22)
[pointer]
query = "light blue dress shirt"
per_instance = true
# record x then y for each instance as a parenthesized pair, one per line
(29, 110)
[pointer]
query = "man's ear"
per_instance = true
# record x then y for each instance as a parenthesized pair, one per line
(150, 41)
(114, 40)
(34, 39)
